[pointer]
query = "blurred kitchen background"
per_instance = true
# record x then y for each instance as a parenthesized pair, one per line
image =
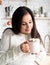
(41, 11)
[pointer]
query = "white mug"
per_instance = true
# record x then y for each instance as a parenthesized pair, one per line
(35, 46)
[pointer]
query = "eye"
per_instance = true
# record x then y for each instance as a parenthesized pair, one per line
(23, 23)
(30, 21)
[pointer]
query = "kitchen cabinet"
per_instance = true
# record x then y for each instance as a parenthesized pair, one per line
(43, 26)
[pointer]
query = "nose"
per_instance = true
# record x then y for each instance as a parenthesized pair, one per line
(28, 25)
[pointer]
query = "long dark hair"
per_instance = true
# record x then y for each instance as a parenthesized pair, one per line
(17, 21)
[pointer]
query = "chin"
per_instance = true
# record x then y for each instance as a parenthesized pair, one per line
(27, 33)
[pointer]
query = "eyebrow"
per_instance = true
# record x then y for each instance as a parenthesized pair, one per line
(24, 21)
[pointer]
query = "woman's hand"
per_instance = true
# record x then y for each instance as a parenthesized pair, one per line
(25, 46)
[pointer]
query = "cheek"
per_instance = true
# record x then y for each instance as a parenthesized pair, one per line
(23, 28)
(31, 26)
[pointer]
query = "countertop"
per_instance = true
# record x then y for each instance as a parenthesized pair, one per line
(46, 60)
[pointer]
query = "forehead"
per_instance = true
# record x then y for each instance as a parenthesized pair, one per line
(26, 17)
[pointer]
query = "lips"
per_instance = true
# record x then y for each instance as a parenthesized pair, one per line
(27, 30)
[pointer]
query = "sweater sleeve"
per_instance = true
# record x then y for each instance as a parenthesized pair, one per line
(8, 55)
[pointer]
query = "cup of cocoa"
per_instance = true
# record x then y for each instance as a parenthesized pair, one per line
(35, 46)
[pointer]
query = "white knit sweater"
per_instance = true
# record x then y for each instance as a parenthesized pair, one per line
(10, 52)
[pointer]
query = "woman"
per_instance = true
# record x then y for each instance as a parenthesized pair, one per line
(15, 43)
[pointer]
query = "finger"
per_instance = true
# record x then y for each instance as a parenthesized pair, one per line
(26, 42)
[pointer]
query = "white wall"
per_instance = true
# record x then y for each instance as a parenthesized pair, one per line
(35, 4)
(32, 4)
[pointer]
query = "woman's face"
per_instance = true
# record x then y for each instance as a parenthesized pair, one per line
(27, 24)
